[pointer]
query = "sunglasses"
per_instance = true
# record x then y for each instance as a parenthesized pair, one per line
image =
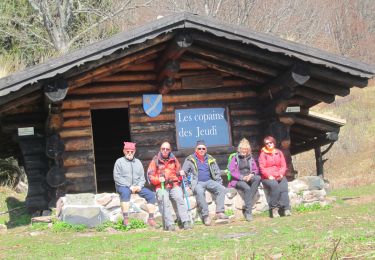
(201, 148)
(129, 152)
(165, 149)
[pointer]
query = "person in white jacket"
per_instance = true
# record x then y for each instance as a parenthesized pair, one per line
(128, 174)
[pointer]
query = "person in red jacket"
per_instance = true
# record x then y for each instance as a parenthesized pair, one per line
(165, 167)
(273, 168)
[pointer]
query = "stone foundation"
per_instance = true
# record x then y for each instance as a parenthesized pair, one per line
(92, 210)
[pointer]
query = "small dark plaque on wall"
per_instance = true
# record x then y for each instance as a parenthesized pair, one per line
(208, 124)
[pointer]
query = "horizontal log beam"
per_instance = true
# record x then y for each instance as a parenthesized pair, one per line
(337, 77)
(24, 101)
(203, 81)
(303, 131)
(76, 113)
(75, 132)
(115, 66)
(152, 127)
(236, 48)
(115, 88)
(316, 125)
(74, 172)
(278, 107)
(78, 144)
(150, 66)
(128, 76)
(145, 119)
(245, 122)
(183, 98)
(232, 70)
(77, 122)
(243, 112)
(314, 94)
(78, 158)
(87, 102)
(328, 88)
(234, 60)
(309, 145)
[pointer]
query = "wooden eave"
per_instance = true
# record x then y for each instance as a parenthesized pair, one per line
(313, 129)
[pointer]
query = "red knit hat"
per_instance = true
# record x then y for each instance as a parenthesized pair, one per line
(129, 146)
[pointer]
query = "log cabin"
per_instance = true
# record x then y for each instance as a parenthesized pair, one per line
(178, 79)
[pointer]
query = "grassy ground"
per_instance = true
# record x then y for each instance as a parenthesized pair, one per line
(345, 230)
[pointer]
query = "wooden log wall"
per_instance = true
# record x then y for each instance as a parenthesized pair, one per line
(127, 87)
(29, 150)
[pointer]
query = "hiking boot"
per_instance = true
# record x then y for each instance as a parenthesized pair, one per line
(170, 228)
(221, 215)
(287, 213)
(151, 222)
(275, 213)
(179, 223)
(186, 225)
(125, 222)
(248, 217)
(207, 221)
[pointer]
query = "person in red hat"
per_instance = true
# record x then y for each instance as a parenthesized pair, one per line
(273, 168)
(129, 177)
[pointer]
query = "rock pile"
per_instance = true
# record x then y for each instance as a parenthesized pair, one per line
(92, 210)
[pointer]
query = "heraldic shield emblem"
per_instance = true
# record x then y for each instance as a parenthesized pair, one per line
(152, 104)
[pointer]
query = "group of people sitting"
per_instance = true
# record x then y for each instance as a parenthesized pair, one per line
(200, 172)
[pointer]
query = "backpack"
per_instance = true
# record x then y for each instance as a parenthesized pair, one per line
(227, 171)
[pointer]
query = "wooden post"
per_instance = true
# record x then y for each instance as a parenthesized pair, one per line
(319, 162)
(55, 94)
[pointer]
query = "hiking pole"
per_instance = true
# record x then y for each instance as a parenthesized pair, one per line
(162, 202)
(187, 201)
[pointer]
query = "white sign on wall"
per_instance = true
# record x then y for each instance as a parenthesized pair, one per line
(25, 131)
(295, 109)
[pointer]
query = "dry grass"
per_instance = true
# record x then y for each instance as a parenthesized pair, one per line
(351, 159)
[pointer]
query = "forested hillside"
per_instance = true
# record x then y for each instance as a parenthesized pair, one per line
(33, 31)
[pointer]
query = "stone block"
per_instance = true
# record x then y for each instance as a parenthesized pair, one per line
(231, 193)
(209, 198)
(192, 202)
(103, 199)
(114, 202)
(297, 186)
(84, 199)
(228, 201)
(90, 216)
(313, 182)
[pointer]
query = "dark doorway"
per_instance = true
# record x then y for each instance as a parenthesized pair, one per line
(110, 128)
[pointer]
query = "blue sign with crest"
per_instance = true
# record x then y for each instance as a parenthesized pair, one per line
(152, 104)
(208, 124)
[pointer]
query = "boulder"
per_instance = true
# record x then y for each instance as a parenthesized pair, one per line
(103, 199)
(297, 186)
(313, 182)
(84, 199)
(90, 216)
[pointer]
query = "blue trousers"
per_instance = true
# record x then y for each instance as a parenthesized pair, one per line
(125, 192)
